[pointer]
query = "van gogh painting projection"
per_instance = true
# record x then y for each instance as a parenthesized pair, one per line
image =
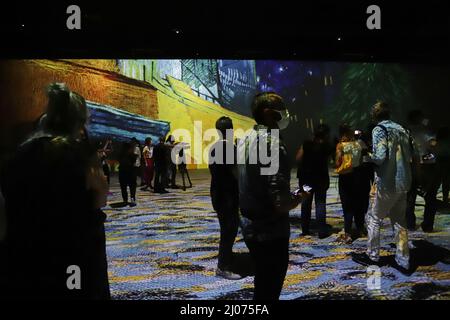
(361, 84)
(148, 97)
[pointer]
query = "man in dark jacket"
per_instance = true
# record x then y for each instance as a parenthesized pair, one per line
(161, 164)
(264, 195)
(426, 174)
(225, 194)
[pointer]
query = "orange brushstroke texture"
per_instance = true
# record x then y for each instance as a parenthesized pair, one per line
(23, 83)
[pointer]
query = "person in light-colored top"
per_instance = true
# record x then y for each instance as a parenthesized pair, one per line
(137, 152)
(392, 156)
(149, 164)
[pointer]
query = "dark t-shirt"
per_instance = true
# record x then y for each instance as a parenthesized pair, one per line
(313, 169)
(224, 184)
(160, 155)
(127, 158)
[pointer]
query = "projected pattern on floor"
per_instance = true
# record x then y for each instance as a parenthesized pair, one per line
(166, 248)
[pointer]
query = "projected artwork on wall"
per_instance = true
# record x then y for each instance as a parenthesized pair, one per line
(150, 98)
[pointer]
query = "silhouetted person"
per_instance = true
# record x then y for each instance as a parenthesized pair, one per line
(426, 175)
(366, 174)
(348, 166)
(312, 170)
(160, 156)
(225, 194)
(127, 172)
(264, 195)
(149, 168)
(182, 168)
(443, 159)
(53, 207)
(103, 154)
(392, 155)
(172, 166)
(138, 167)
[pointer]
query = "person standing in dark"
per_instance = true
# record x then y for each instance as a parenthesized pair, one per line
(172, 166)
(127, 172)
(149, 166)
(225, 194)
(392, 156)
(348, 166)
(103, 154)
(366, 176)
(312, 170)
(182, 168)
(264, 195)
(443, 159)
(160, 156)
(53, 207)
(138, 167)
(426, 175)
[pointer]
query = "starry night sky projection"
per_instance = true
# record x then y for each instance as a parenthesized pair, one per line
(309, 88)
(291, 78)
(284, 77)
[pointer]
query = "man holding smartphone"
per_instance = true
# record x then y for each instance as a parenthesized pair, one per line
(265, 200)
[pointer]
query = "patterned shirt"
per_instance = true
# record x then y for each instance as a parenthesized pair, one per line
(262, 195)
(393, 156)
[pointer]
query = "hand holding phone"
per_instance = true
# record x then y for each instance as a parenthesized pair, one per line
(305, 189)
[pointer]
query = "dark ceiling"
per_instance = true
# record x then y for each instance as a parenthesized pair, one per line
(332, 30)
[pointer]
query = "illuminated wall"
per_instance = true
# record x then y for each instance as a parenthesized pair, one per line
(23, 84)
(126, 98)
(238, 84)
(178, 103)
(146, 97)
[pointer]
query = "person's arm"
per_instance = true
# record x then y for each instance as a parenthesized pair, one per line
(97, 184)
(432, 144)
(299, 156)
(379, 150)
(279, 188)
(339, 154)
(150, 152)
(137, 152)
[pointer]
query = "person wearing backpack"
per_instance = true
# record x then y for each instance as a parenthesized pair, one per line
(392, 156)
(348, 165)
